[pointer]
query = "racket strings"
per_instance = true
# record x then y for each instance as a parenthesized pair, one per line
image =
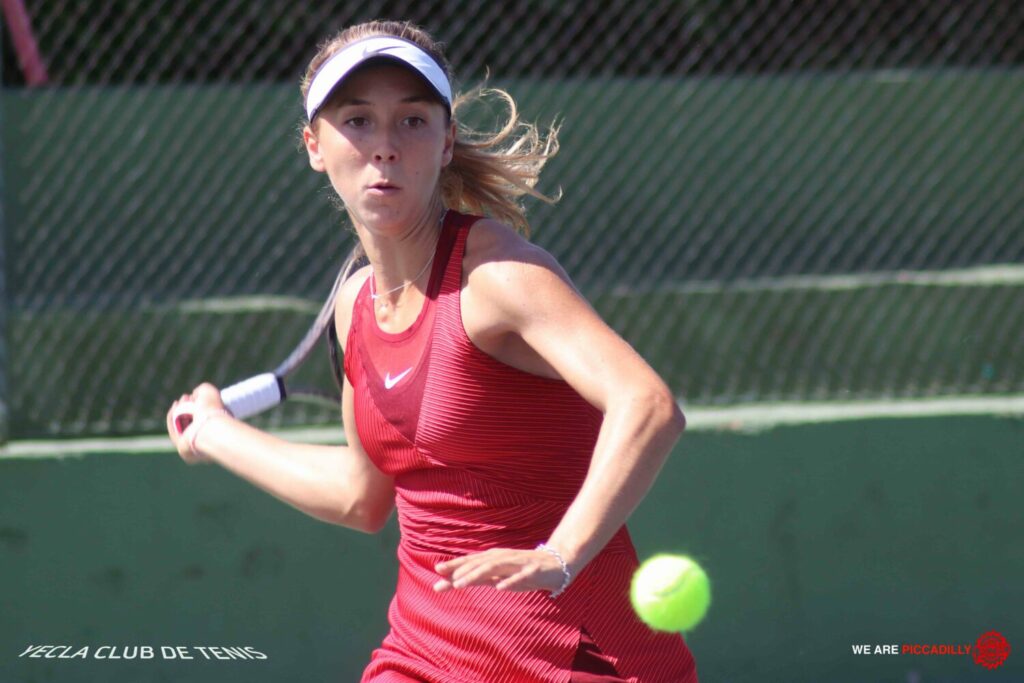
(325, 318)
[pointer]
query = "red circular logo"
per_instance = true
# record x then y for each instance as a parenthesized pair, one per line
(991, 650)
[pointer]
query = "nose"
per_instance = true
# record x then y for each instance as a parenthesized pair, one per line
(385, 148)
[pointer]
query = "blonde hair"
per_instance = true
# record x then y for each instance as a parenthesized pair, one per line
(490, 171)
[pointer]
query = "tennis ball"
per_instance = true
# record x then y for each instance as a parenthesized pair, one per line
(670, 592)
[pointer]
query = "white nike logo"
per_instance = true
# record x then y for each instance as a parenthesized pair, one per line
(368, 51)
(390, 381)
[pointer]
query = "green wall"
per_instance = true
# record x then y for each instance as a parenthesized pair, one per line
(816, 537)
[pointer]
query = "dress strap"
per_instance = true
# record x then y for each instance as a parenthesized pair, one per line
(460, 224)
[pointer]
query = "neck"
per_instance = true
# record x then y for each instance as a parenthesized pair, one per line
(401, 261)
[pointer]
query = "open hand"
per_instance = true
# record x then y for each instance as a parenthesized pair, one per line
(502, 568)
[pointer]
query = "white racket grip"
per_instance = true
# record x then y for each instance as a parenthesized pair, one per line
(253, 396)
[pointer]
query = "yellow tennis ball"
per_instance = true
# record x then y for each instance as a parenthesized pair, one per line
(670, 592)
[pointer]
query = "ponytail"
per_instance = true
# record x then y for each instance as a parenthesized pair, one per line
(492, 171)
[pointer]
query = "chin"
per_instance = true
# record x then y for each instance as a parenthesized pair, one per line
(384, 217)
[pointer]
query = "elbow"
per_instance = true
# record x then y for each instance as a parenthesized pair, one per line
(356, 516)
(364, 500)
(654, 410)
(373, 525)
(665, 413)
(678, 420)
(366, 518)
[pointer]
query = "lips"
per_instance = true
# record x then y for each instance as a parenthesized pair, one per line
(383, 186)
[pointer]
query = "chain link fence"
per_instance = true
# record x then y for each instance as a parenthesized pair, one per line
(773, 201)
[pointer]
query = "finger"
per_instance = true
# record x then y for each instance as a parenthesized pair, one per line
(443, 585)
(208, 395)
(447, 567)
(187, 454)
(486, 574)
(469, 565)
(170, 424)
(518, 581)
(172, 420)
(182, 415)
(184, 450)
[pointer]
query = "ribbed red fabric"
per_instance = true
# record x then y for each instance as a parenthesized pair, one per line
(492, 459)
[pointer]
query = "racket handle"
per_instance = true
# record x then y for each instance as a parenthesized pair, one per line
(254, 395)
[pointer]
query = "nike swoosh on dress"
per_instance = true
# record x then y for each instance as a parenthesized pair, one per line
(390, 381)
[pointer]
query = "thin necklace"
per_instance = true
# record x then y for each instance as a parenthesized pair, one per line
(375, 295)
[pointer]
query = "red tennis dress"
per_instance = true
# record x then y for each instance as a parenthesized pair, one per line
(484, 456)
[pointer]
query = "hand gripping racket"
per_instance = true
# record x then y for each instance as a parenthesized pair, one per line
(264, 391)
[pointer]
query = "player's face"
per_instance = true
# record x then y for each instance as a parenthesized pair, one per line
(383, 139)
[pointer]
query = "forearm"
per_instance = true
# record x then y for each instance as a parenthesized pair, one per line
(637, 435)
(325, 482)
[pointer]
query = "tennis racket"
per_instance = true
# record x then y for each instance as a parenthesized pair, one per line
(262, 392)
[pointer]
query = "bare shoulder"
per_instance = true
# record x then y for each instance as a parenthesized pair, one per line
(496, 255)
(506, 277)
(346, 300)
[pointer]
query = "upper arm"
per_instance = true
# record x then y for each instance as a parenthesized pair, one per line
(517, 289)
(377, 498)
(342, 322)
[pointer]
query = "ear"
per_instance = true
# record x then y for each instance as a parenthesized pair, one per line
(316, 160)
(449, 145)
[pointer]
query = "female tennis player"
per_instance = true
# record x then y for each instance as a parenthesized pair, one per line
(483, 398)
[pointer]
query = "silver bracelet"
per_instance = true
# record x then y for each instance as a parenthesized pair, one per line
(566, 574)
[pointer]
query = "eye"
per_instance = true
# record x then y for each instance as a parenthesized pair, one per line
(357, 121)
(415, 121)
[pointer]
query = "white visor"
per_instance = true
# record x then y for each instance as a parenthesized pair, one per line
(335, 69)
